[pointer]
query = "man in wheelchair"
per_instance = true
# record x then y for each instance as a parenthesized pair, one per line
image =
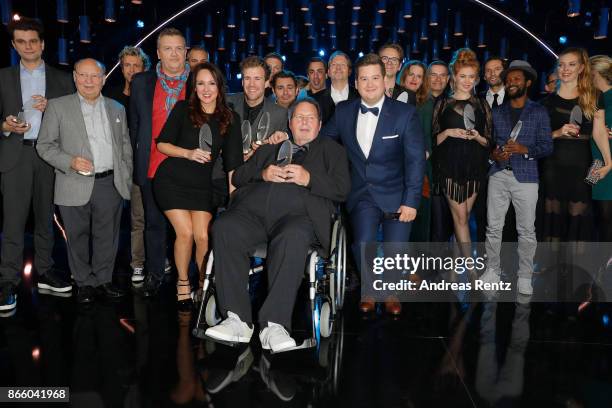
(288, 207)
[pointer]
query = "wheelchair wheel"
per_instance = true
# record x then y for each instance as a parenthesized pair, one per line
(325, 320)
(210, 314)
(340, 273)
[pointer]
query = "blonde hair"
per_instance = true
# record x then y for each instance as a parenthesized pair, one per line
(603, 65)
(587, 94)
(423, 91)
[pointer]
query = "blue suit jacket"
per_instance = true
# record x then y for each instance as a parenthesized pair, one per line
(535, 134)
(393, 172)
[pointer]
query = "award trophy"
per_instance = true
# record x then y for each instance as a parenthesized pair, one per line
(263, 126)
(469, 118)
(205, 138)
(285, 154)
(85, 155)
(247, 137)
(513, 135)
(403, 97)
(576, 119)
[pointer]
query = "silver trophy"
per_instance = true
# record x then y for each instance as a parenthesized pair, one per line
(247, 137)
(403, 97)
(263, 126)
(469, 118)
(576, 118)
(285, 154)
(85, 155)
(205, 138)
(513, 135)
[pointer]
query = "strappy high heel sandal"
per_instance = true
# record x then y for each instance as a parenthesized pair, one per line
(184, 300)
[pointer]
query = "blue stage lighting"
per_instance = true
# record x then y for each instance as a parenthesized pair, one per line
(140, 24)
(239, 76)
(321, 53)
(605, 319)
(562, 39)
(360, 55)
(283, 58)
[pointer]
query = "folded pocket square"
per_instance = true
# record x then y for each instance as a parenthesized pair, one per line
(390, 137)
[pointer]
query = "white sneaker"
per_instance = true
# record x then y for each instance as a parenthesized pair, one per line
(491, 276)
(232, 330)
(524, 286)
(276, 338)
(138, 275)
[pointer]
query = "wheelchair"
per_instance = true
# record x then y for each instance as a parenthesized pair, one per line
(326, 287)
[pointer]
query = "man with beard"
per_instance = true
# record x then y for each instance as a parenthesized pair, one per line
(514, 176)
(495, 95)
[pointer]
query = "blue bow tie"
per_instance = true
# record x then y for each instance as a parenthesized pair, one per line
(365, 109)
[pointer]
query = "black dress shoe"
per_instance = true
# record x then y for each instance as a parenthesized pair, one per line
(51, 281)
(151, 286)
(110, 291)
(86, 294)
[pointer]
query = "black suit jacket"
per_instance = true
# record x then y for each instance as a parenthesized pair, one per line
(142, 92)
(327, 164)
(57, 83)
(328, 107)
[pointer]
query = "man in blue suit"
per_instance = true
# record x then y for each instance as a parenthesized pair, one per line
(384, 141)
(514, 176)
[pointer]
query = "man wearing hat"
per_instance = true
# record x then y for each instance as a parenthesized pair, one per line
(522, 135)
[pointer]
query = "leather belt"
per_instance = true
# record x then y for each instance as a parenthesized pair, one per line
(103, 174)
(29, 142)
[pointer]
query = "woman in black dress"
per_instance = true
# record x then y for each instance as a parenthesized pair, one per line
(460, 156)
(183, 182)
(567, 196)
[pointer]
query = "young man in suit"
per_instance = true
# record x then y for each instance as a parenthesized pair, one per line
(338, 70)
(84, 136)
(514, 176)
(288, 208)
(496, 92)
(26, 179)
(392, 56)
(384, 141)
(153, 95)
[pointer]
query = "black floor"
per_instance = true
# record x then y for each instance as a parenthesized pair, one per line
(140, 353)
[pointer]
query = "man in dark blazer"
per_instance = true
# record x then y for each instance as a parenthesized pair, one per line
(338, 70)
(26, 179)
(152, 96)
(514, 176)
(384, 141)
(84, 136)
(392, 56)
(288, 208)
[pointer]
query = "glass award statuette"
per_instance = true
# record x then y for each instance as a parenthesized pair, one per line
(576, 116)
(263, 126)
(403, 97)
(85, 155)
(285, 154)
(513, 135)
(247, 137)
(205, 138)
(469, 117)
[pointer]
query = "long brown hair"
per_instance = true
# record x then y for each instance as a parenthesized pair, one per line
(587, 94)
(423, 91)
(222, 112)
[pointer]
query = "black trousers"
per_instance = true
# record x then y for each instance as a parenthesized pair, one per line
(99, 221)
(155, 233)
(273, 214)
(30, 182)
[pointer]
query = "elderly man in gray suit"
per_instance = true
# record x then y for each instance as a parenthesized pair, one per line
(84, 136)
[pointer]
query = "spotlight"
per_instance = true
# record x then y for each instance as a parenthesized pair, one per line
(35, 353)
(321, 53)
(563, 40)
(283, 58)
(27, 270)
(140, 24)
(16, 17)
(360, 55)
(605, 319)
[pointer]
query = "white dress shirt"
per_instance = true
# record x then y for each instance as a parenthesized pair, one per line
(366, 126)
(99, 133)
(339, 96)
(500, 96)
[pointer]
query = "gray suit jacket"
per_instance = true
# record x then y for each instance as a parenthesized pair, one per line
(278, 115)
(63, 135)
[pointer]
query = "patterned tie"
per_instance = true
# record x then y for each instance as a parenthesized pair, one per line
(495, 102)
(365, 109)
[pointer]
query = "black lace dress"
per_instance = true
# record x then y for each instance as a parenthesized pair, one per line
(460, 166)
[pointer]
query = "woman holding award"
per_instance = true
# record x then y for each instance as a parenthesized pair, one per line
(197, 131)
(575, 115)
(461, 131)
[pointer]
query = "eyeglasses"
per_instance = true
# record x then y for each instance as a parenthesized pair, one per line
(83, 76)
(302, 118)
(432, 75)
(393, 60)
